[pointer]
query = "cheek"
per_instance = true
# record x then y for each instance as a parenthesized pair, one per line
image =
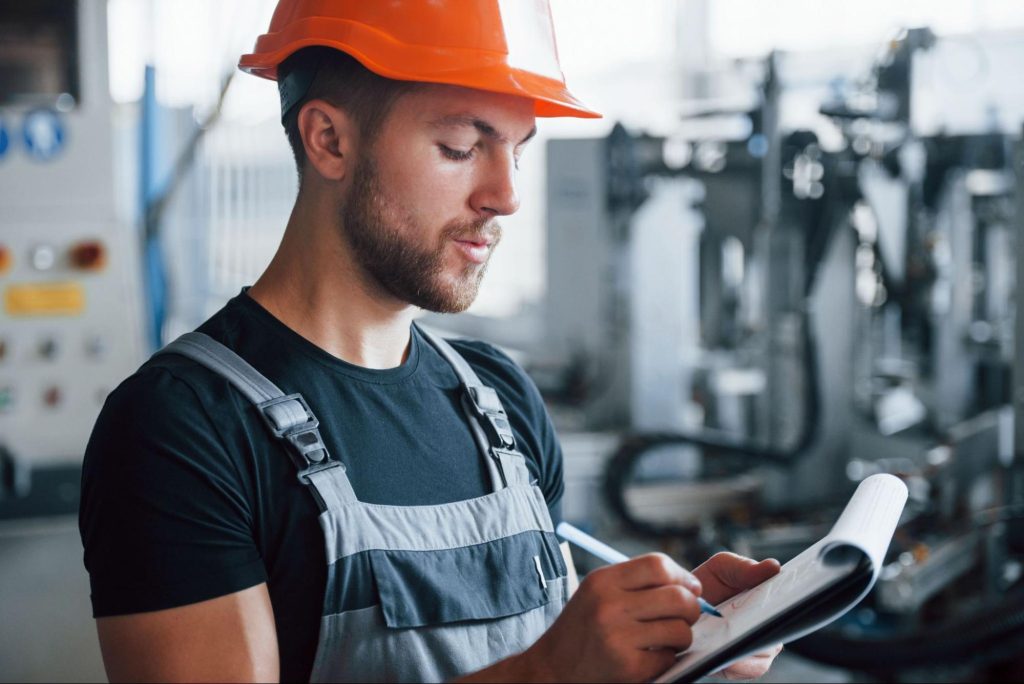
(431, 193)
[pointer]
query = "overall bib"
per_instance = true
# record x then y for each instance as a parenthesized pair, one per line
(417, 593)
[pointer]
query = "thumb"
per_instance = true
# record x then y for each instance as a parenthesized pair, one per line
(755, 573)
(726, 574)
(743, 573)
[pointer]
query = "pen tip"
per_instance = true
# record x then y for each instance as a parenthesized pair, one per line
(706, 607)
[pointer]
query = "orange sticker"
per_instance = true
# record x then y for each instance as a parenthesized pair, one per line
(44, 299)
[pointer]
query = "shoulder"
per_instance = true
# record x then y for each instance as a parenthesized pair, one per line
(172, 389)
(528, 415)
(165, 387)
(169, 409)
(498, 369)
(520, 396)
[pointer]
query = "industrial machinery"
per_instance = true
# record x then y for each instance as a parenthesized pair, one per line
(772, 312)
(70, 327)
(70, 320)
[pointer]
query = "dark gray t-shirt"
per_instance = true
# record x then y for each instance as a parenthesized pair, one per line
(186, 496)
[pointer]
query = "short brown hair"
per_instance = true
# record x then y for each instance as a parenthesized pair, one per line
(344, 82)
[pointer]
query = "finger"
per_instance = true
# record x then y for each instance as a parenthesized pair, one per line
(672, 601)
(653, 570)
(759, 572)
(675, 635)
(728, 573)
(752, 667)
(769, 652)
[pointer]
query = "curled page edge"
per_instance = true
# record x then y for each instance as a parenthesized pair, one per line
(870, 534)
(870, 518)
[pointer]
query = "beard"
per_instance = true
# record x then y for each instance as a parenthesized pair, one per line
(384, 245)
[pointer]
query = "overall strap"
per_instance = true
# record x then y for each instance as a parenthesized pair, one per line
(487, 419)
(288, 417)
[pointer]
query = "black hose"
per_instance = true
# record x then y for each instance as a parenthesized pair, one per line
(620, 468)
(832, 212)
(989, 635)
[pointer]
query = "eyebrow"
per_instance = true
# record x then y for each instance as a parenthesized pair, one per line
(479, 124)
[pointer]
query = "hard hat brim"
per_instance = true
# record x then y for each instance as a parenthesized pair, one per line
(490, 72)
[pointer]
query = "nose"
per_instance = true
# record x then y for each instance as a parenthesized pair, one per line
(496, 194)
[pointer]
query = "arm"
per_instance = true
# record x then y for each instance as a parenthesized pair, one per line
(229, 638)
(626, 622)
(178, 583)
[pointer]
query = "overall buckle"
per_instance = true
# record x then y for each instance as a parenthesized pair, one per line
(487, 406)
(290, 419)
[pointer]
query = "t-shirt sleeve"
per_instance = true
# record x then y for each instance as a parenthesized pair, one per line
(529, 417)
(547, 446)
(164, 517)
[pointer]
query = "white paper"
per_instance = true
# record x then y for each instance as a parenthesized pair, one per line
(865, 528)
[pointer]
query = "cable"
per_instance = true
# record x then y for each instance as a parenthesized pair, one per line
(620, 468)
(989, 635)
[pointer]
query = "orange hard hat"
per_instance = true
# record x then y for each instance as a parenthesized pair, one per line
(501, 46)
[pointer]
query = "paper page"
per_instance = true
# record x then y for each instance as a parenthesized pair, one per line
(866, 525)
(870, 518)
(800, 577)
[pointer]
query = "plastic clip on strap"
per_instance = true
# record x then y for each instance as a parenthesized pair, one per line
(288, 416)
(291, 420)
(487, 406)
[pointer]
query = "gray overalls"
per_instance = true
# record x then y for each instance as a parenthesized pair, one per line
(416, 593)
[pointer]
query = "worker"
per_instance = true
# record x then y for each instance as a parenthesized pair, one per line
(312, 486)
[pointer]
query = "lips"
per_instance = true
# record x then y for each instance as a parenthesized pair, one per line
(474, 250)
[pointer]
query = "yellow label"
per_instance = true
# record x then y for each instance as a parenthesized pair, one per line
(44, 299)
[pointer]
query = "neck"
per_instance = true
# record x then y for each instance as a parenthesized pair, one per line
(315, 286)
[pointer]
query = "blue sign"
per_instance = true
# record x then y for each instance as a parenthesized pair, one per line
(5, 140)
(43, 134)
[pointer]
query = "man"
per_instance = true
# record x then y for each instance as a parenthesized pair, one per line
(407, 535)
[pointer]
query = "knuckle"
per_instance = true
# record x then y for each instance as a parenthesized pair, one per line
(660, 566)
(594, 581)
(605, 618)
(678, 597)
(682, 636)
(682, 601)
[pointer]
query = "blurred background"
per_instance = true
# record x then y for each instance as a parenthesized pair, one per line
(785, 260)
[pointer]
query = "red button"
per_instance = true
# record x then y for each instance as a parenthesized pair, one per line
(5, 259)
(90, 255)
(52, 396)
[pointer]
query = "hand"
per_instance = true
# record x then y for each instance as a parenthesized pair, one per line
(723, 576)
(626, 622)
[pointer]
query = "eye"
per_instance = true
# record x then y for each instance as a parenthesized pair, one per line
(456, 155)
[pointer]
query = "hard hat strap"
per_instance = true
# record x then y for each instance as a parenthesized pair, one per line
(295, 83)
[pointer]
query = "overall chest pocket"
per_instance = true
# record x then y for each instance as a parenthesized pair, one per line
(485, 581)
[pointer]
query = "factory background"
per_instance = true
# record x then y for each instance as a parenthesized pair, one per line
(784, 261)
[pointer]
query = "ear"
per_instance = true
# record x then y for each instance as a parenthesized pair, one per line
(329, 137)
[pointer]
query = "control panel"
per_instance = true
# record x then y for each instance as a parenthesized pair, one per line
(68, 333)
(70, 286)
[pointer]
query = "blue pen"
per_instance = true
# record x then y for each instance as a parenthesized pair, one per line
(606, 553)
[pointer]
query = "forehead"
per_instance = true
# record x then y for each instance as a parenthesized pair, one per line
(439, 106)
